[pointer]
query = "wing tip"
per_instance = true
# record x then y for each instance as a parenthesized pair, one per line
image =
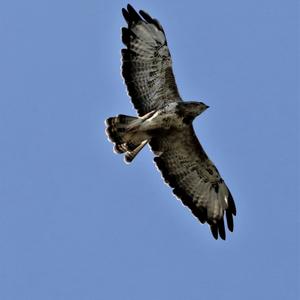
(131, 16)
(217, 226)
(229, 219)
(125, 15)
(214, 231)
(221, 229)
(146, 16)
(218, 229)
(231, 204)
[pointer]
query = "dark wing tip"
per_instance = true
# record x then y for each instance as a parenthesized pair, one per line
(126, 15)
(132, 14)
(214, 230)
(129, 7)
(146, 16)
(221, 229)
(231, 204)
(229, 220)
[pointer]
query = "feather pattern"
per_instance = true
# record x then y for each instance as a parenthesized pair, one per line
(165, 122)
(146, 63)
(194, 178)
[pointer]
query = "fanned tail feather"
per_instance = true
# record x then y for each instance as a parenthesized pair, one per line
(119, 132)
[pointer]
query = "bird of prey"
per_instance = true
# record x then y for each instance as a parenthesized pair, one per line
(164, 122)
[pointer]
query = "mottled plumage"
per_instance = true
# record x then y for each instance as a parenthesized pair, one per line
(165, 122)
(146, 63)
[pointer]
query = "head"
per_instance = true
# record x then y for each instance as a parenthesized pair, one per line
(196, 108)
(192, 109)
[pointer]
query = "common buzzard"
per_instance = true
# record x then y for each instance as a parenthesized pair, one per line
(165, 122)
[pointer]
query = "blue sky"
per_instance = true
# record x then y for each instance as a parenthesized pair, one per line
(77, 223)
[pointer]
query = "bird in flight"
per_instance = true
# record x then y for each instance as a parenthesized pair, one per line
(164, 122)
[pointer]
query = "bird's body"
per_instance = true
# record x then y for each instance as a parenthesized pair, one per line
(165, 122)
(174, 116)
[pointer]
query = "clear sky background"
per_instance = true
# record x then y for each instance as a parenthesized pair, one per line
(77, 223)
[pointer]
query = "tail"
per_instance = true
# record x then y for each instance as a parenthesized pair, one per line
(120, 131)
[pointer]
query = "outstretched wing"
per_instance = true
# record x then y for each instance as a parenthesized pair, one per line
(194, 178)
(146, 63)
